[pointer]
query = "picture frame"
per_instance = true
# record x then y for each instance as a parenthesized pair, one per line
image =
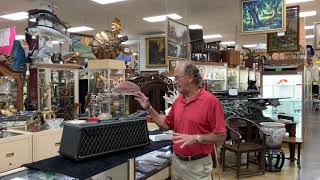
(258, 18)
(82, 43)
(289, 42)
(177, 40)
(317, 36)
(155, 49)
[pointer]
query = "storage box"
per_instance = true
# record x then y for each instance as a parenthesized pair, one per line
(231, 56)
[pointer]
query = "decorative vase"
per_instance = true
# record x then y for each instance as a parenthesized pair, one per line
(275, 132)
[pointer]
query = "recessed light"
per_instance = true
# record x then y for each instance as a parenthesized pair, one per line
(258, 46)
(308, 13)
(161, 17)
(228, 43)
(308, 27)
(80, 29)
(56, 42)
(16, 16)
(107, 1)
(212, 36)
(297, 1)
(195, 26)
(309, 36)
(20, 37)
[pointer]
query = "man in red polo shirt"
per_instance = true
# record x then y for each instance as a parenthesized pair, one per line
(197, 120)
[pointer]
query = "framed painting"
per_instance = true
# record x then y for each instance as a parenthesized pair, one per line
(317, 35)
(177, 40)
(263, 16)
(82, 43)
(156, 54)
(289, 41)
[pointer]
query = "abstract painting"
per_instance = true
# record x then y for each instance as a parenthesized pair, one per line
(263, 16)
(317, 35)
(289, 40)
(177, 40)
(156, 52)
(82, 43)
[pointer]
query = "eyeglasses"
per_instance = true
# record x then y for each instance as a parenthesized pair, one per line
(177, 78)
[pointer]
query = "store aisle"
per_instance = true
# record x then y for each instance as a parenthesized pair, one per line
(311, 152)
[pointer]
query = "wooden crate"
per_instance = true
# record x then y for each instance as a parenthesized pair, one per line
(231, 56)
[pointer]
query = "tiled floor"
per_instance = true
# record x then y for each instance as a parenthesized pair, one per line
(310, 157)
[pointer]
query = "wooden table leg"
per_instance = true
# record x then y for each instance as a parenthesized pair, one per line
(298, 160)
(292, 148)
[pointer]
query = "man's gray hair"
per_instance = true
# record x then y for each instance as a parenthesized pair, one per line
(193, 71)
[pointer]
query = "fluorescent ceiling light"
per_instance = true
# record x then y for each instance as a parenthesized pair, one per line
(56, 42)
(107, 1)
(259, 46)
(308, 27)
(33, 20)
(308, 13)
(195, 26)
(309, 36)
(162, 17)
(297, 1)
(80, 29)
(131, 42)
(228, 43)
(20, 37)
(16, 16)
(212, 36)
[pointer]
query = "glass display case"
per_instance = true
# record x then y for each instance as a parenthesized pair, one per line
(233, 78)
(244, 75)
(289, 87)
(58, 86)
(103, 76)
(215, 74)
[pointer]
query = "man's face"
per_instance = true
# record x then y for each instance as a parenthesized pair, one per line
(181, 81)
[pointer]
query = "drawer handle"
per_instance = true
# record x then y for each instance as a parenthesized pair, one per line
(57, 144)
(9, 154)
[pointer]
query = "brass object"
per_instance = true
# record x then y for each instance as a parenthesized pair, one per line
(107, 44)
(10, 155)
(73, 59)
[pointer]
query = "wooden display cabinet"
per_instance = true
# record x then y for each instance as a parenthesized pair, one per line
(17, 76)
(58, 86)
(15, 150)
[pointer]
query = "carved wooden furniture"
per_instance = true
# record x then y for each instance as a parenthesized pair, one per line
(246, 137)
(17, 75)
(292, 142)
(198, 46)
(154, 87)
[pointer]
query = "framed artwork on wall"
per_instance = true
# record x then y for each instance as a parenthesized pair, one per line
(156, 52)
(289, 41)
(82, 43)
(177, 40)
(263, 16)
(317, 35)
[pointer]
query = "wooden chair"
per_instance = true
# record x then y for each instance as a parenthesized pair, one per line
(246, 137)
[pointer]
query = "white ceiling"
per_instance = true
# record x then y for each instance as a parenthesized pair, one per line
(216, 16)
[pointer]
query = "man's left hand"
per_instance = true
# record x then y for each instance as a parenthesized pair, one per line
(184, 139)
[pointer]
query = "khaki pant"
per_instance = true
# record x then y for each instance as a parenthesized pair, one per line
(199, 169)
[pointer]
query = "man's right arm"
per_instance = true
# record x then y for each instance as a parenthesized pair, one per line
(155, 116)
(158, 119)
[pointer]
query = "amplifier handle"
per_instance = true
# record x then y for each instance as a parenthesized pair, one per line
(10, 154)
